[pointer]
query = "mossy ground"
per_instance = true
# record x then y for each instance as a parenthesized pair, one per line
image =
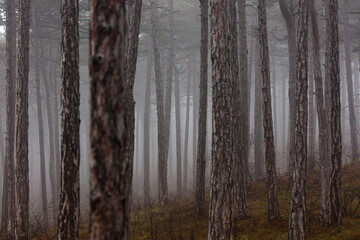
(176, 219)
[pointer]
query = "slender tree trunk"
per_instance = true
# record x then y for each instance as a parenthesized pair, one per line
(109, 199)
(272, 186)
(335, 115)
(350, 90)
(147, 126)
(322, 119)
(201, 160)
(287, 12)
(69, 211)
(221, 197)
(8, 203)
(311, 139)
(274, 96)
(195, 118)
(258, 118)
(178, 137)
(41, 136)
(186, 143)
(298, 199)
(130, 70)
(22, 125)
(240, 110)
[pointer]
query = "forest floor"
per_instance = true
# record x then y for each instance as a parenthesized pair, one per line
(176, 219)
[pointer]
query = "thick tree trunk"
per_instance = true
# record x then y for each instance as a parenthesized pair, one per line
(240, 109)
(298, 198)
(322, 119)
(221, 197)
(258, 118)
(350, 90)
(271, 179)
(109, 200)
(69, 211)
(201, 160)
(22, 125)
(335, 114)
(287, 12)
(186, 143)
(147, 126)
(8, 203)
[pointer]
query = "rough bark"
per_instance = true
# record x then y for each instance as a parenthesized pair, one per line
(271, 179)
(201, 160)
(240, 118)
(221, 199)
(286, 8)
(322, 118)
(147, 125)
(163, 142)
(350, 90)
(130, 70)
(22, 125)
(311, 139)
(298, 198)
(8, 203)
(69, 211)
(335, 114)
(258, 118)
(109, 201)
(186, 137)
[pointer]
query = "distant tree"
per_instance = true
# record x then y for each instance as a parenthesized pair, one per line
(271, 178)
(22, 125)
(8, 200)
(221, 197)
(69, 211)
(298, 174)
(108, 131)
(349, 81)
(178, 136)
(186, 137)
(323, 137)
(287, 8)
(147, 113)
(201, 161)
(335, 114)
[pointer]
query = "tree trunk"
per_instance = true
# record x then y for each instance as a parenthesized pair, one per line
(178, 137)
(298, 198)
(163, 140)
(109, 200)
(201, 159)
(335, 114)
(8, 203)
(22, 125)
(350, 90)
(186, 143)
(221, 207)
(287, 12)
(195, 112)
(130, 70)
(147, 126)
(69, 211)
(258, 118)
(322, 119)
(272, 186)
(311, 151)
(240, 109)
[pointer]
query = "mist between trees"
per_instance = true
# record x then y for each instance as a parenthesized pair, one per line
(111, 107)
